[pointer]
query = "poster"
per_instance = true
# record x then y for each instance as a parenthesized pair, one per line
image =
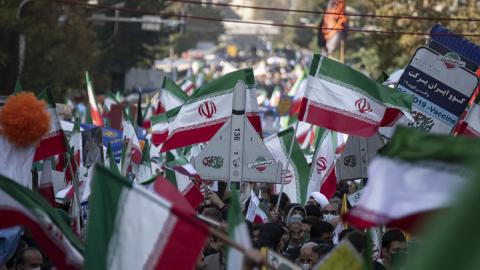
(442, 86)
(92, 150)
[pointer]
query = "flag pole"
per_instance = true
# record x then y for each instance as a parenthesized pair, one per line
(128, 157)
(286, 166)
(76, 186)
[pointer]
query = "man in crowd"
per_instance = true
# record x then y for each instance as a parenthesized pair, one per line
(394, 250)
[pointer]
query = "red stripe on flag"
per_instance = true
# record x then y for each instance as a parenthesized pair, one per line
(46, 190)
(159, 137)
(136, 155)
(43, 236)
(191, 136)
(329, 186)
(193, 195)
(341, 121)
(96, 117)
(147, 124)
(51, 146)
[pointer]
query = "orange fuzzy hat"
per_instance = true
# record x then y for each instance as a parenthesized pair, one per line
(24, 119)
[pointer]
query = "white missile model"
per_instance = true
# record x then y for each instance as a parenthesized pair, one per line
(236, 152)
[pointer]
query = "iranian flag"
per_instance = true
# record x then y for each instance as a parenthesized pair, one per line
(171, 96)
(144, 171)
(295, 177)
(54, 141)
(238, 232)
(187, 86)
(322, 176)
(20, 206)
(412, 176)
(342, 99)
(159, 128)
(94, 110)
(305, 134)
(205, 112)
(130, 135)
(470, 126)
(187, 179)
(179, 171)
(132, 228)
(45, 185)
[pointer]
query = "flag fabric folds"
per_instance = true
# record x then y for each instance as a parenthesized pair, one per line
(412, 176)
(322, 176)
(54, 142)
(238, 231)
(295, 178)
(20, 206)
(345, 100)
(205, 112)
(132, 228)
(97, 119)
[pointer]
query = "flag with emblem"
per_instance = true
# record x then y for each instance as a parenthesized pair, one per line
(21, 206)
(132, 228)
(53, 143)
(295, 177)
(322, 176)
(94, 110)
(345, 100)
(205, 112)
(470, 126)
(413, 176)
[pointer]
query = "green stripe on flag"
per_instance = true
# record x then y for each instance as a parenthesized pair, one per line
(170, 86)
(298, 161)
(345, 76)
(102, 222)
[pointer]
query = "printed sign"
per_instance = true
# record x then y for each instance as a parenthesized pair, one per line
(442, 87)
(278, 261)
(355, 197)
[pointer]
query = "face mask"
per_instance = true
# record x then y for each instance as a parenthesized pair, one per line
(329, 217)
(399, 259)
(306, 266)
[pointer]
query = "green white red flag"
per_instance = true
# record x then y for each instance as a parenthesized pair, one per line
(159, 128)
(238, 231)
(129, 134)
(188, 87)
(413, 175)
(94, 110)
(295, 178)
(470, 126)
(20, 206)
(345, 100)
(171, 96)
(132, 228)
(322, 176)
(205, 112)
(53, 143)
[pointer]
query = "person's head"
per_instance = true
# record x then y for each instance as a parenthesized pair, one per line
(322, 249)
(313, 211)
(394, 247)
(322, 230)
(330, 212)
(284, 240)
(308, 257)
(269, 236)
(28, 259)
(296, 234)
(294, 209)
(358, 240)
(318, 199)
(284, 200)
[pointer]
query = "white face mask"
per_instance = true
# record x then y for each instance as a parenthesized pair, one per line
(329, 217)
(306, 266)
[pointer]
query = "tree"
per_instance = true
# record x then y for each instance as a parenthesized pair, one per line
(59, 46)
